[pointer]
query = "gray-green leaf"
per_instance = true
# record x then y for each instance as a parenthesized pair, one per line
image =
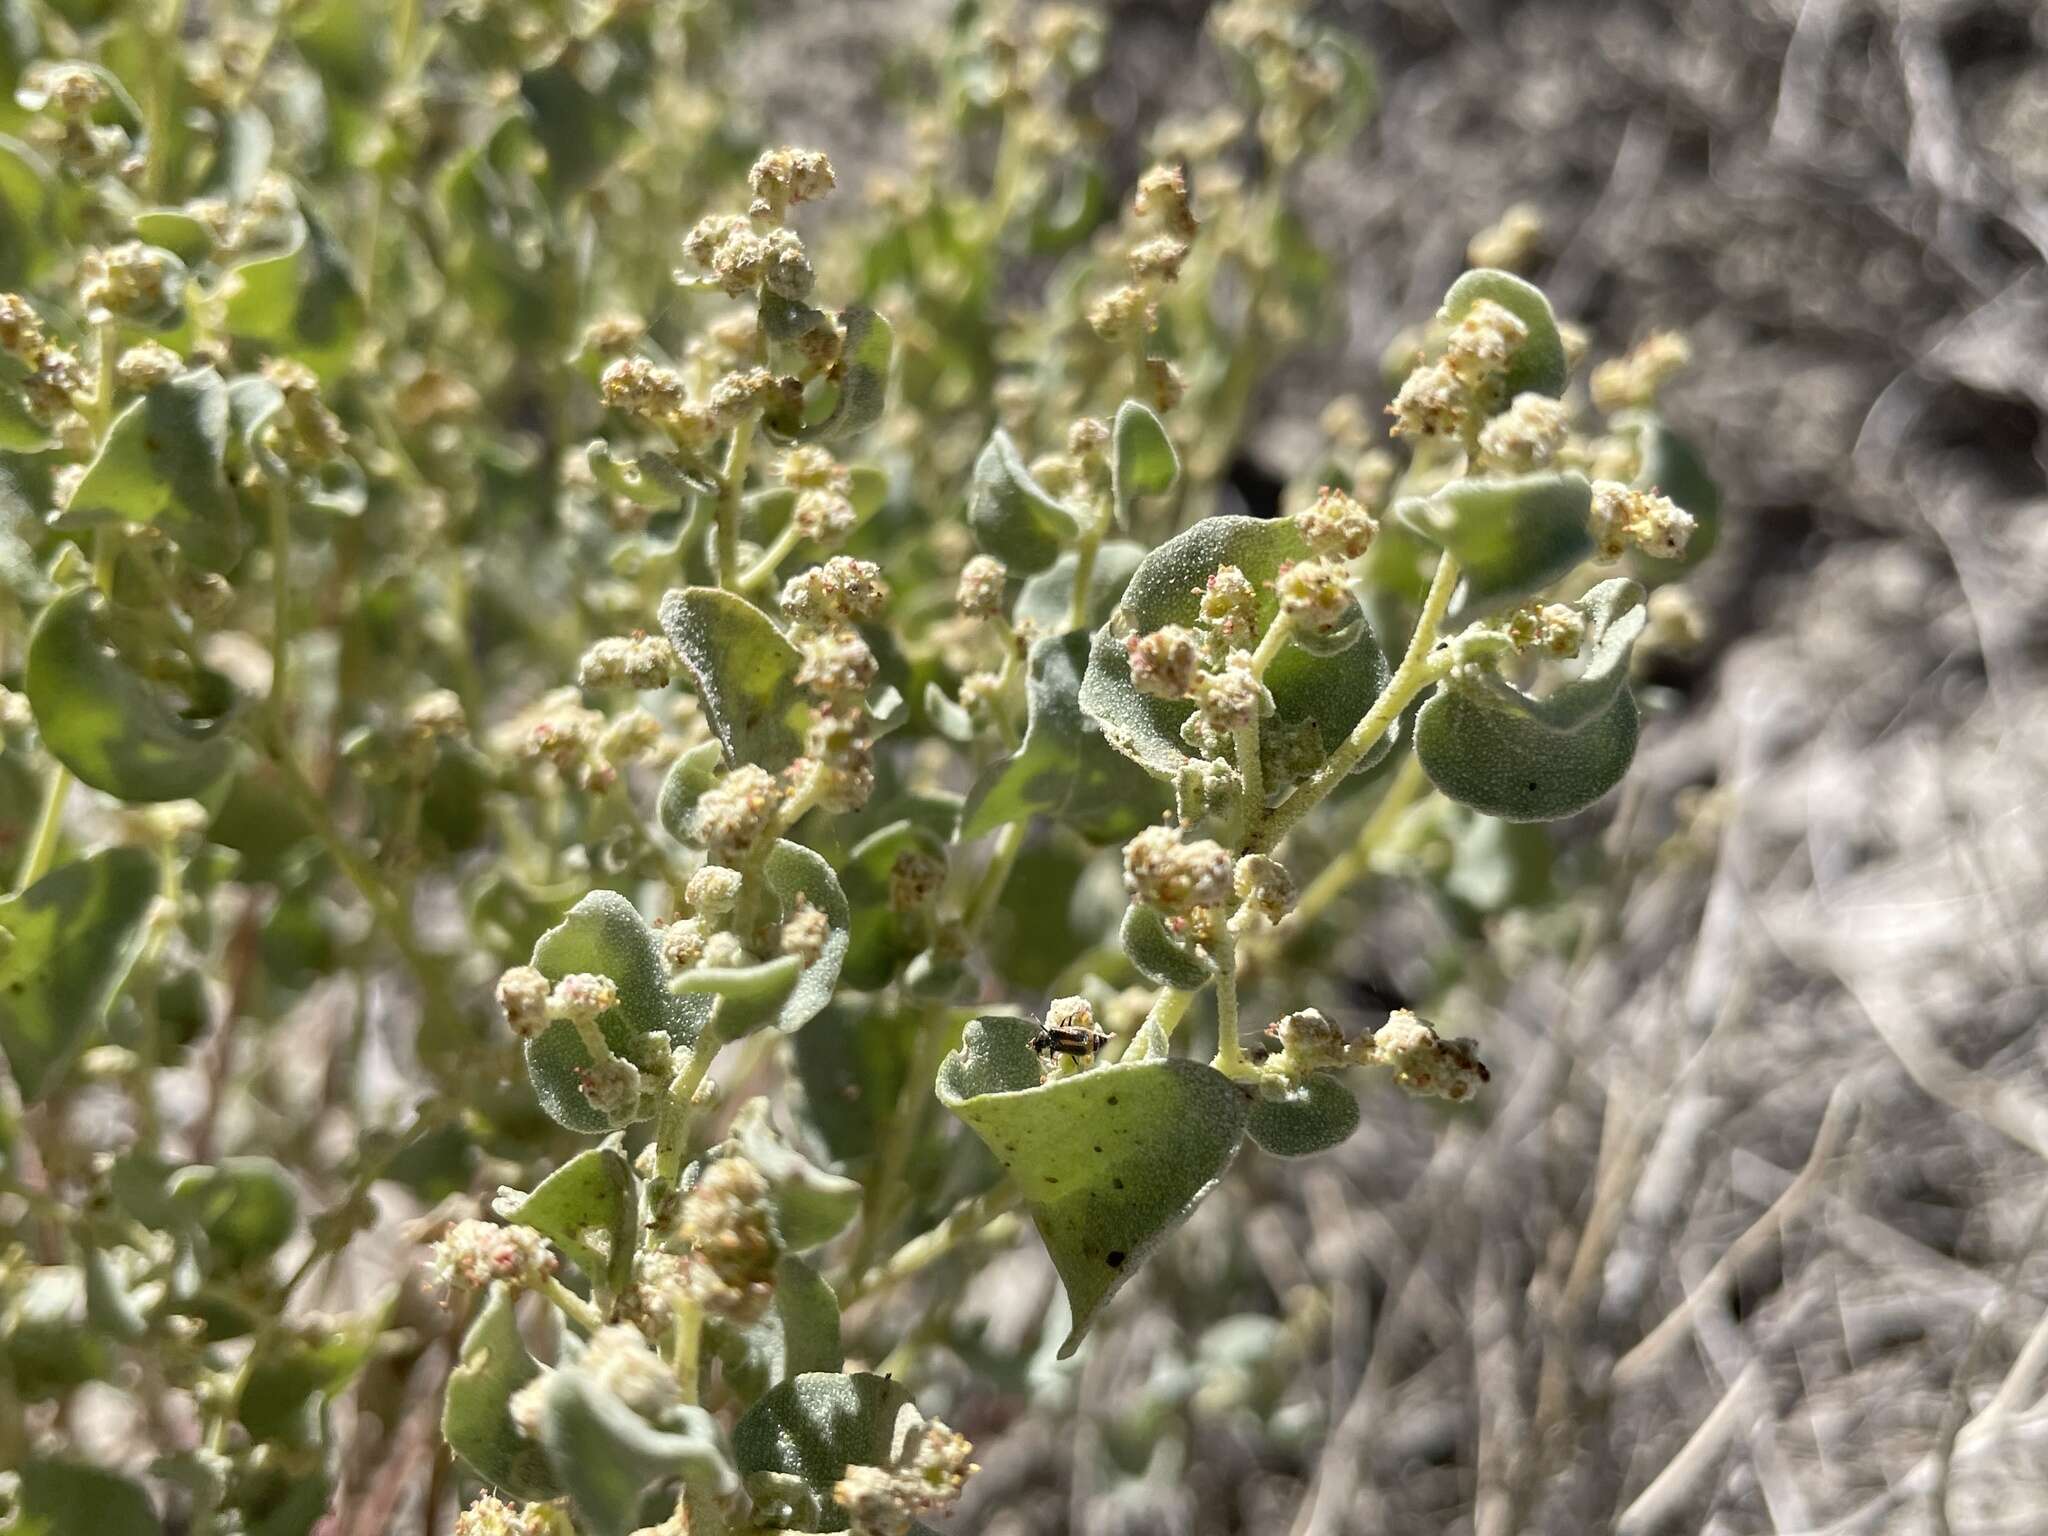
(814, 1426)
(476, 1414)
(745, 672)
(1014, 517)
(1511, 535)
(592, 1193)
(1539, 363)
(1110, 1160)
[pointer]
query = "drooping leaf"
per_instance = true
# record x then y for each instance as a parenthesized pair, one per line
(1161, 955)
(590, 1210)
(862, 373)
(1045, 601)
(1312, 1118)
(1511, 535)
(73, 935)
(1143, 461)
(815, 1425)
(163, 463)
(1015, 518)
(781, 992)
(1538, 363)
(745, 672)
(1064, 768)
(604, 933)
(108, 723)
(245, 1207)
(1328, 694)
(1110, 1160)
(300, 302)
(608, 1458)
(799, 1334)
(476, 1415)
(68, 1498)
(1670, 464)
(1487, 744)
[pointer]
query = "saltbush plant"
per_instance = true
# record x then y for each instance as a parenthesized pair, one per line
(545, 653)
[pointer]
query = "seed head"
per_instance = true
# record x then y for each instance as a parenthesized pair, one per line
(838, 666)
(125, 282)
(788, 175)
(1557, 628)
(1308, 1043)
(1165, 663)
(492, 1516)
(612, 1087)
(1176, 877)
(618, 1360)
(806, 933)
(583, 997)
(726, 1223)
(915, 878)
(1231, 698)
(732, 815)
(1336, 525)
(1524, 437)
(1264, 886)
(1634, 381)
(682, 943)
(841, 591)
(1647, 519)
(144, 367)
(473, 1254)
(523, 995)
(713, 890)
(1422, 1061)
(1230, 605)
(1316, 594)
(980, 594)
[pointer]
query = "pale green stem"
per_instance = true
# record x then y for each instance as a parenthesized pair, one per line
(1084, 566)
(981, 1216)
(1278, 633)
(280, 600)
(673, 1131)
(763, 569)
(1338, 874)
(1229, 1059)
(1155, 1035)
(686, 1344)
(989, 889)
(1418, 669)
(1251, 774)
(580, 1312)
(732, 481)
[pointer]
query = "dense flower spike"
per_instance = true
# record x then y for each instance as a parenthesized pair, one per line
(471, 1255)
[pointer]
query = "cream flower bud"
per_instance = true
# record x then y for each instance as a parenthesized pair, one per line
(1176, 877)
(523, 995)
(583, 997)
(713, 890)
(1336, 525)
(471, 1255)
(1165, 662)
(1423, 1062)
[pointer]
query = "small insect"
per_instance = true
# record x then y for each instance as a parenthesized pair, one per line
(1068, 1040)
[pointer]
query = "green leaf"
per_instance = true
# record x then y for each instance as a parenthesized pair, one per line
(883, 939)
(815, 1425)
(604, 933)
(1161, 956)
(1312, 1118)
(1495, 864)
(1511, 535)
(1110, 1160)
(109, 724)
(246, 1207)
(47, 1349)
(1044, 602)
(1670, 464)
(811, 1206)
(1015, 518)
(608, 1458)
(300, 302)
(68, 1498)
(799, 1334)
(1329, 694)
(20, 432)
(652, 480)
(745, 672)
(1487, 744)
(476, 1415)
(291, 1378)
(1064, 768)
(24, 212)
(687, 779)
(593, 1192)
(782, 992)
(73, 936)
(862, 373)
(1539, 363)
(163, 463)
(1144, 462)
(852, 1063)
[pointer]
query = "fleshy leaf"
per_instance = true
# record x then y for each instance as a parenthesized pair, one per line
(1670, 464)
(25, 184)
(1539, 363)
(604, 933)
(476, 1415)
(163, 463)
(1312, 1118)
(815, 1425)
(862, 373)
(1110, 1160)
(246, 1207)
(608, 1458)
(745, 673)
(1160, 955)
(593, 1192)
(882, 938)
(72, 937)
(1330, 693)
(1144, 462)
(780, 993)
(1511, 535)
(799, 1334)
(1045, 600)
(687, 779)
(58, 1498)
(649, 481)
(295, 1374)
(108, 723)
(1487, 744)
(300, 302)
(1064, 768)
(1015, 518)
(811, 1206)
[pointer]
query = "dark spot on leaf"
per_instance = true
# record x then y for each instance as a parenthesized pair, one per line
(1532, 786)
(1112, 1098)
(1050, 1179)
(1116, 1258)
(1117, 1183)
(1098, 1149)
